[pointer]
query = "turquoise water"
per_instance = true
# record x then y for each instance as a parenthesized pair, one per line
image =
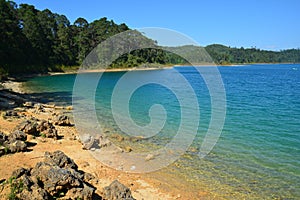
(258, 153)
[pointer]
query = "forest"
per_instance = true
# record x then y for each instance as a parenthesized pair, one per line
(35, 41)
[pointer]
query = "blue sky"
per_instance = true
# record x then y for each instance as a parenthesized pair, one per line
(265, 24)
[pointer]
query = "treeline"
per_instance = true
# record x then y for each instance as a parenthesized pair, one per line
(226, 55)
(40, 41)
(34, 41)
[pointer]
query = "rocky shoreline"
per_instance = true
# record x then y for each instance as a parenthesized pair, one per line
(57, 176)
(44, 136)
(42, 157)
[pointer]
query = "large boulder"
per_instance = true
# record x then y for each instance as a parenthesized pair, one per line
(57, 176)
(117, 191)
(55, 179)
(22, 178)
(60, 159)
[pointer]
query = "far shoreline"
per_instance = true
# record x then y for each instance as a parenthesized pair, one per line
(156, 68)
(109, 70)
(17, 79)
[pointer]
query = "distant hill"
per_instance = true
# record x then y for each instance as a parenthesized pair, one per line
(226, 55)
(187, 53)
(221, 54)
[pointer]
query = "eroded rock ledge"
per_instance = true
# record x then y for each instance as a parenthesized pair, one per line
(58, 176)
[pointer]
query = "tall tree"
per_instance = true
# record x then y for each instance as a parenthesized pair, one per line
(33, 31)
(12, 40)
(64, 44)
(49, 28)
(82, 38)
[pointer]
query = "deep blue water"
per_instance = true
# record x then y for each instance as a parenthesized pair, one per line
(258, 153)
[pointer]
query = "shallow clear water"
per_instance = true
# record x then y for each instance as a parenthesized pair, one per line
(258, 153)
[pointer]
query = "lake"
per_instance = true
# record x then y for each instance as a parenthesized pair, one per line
(257, 155)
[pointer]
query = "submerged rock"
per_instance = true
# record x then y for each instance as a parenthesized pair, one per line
(149, 157)
(127, 149)
(118, 137)
(117, 191)
(87, 141)
(69, 107)
(104, 142)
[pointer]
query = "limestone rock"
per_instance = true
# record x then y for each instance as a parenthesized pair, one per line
(28, 104)
(60, 159)
(39, 108)
(12, 143)
(17, 135)
(28, 127)
(87, 141)
(3, 138)
(55, 177)
(17, 146)
(117, 191)
(10, 113)
(62, 120)
(35, 193)
(47, 129)
(20, 172)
